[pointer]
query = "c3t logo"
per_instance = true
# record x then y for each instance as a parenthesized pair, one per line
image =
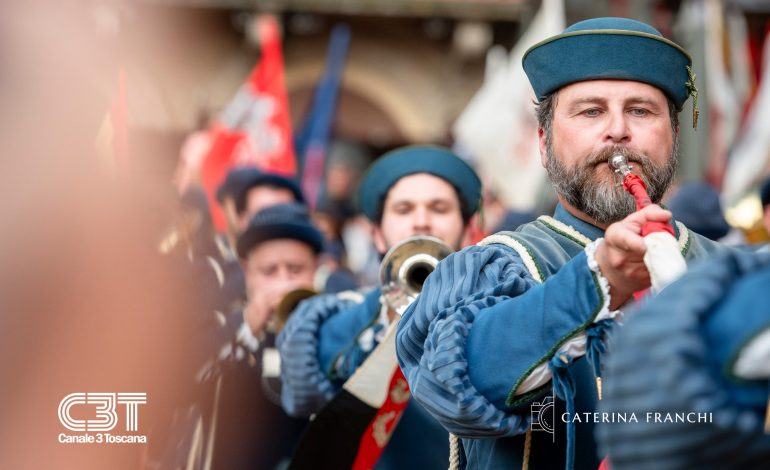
(106, 417)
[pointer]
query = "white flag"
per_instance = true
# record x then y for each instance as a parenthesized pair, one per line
(749, 159)
(498, 128)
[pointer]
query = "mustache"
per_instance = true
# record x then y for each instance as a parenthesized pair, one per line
(605, 154)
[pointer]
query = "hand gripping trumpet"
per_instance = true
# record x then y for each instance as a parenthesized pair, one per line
(663, 258)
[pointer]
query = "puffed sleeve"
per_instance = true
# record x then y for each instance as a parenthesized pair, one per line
(476, 345)
(306, 387)
(676, 368)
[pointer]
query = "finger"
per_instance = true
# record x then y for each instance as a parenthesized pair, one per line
(653, 213)
(656, 213)
(624, 238)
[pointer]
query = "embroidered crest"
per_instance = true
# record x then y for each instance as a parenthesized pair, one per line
(400, 392)
(380, 431)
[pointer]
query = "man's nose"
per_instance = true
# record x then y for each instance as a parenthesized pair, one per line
(284, 276)
(421, 220)
(617, 130)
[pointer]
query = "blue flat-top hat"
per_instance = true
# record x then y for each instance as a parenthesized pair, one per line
(610, 48)
(239, 180)
(280, 221)
(405, 161)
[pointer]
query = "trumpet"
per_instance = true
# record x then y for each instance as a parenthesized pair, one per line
(287, 305)
(405, 268)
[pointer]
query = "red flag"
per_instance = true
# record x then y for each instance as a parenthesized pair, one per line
(255, 128)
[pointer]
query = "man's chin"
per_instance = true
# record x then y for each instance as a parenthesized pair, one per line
(604, 177)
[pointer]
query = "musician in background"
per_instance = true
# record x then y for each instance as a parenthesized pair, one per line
(419, 190)
(279, 251)
(226, 368)
(244, 192)
(247, 190)
(501, 326)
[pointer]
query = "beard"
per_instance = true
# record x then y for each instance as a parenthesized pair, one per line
(606, 202)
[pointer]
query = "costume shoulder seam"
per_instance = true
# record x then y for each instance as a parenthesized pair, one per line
(564, 230)
(509, 239)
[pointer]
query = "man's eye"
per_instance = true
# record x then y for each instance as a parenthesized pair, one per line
(638, 112)
(402, 209)
(593, 112)
(268, 270)
(296, 268)
(440, 208)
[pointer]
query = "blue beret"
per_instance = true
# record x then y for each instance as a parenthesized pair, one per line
(280, 221)
(239, 180)
(405, 161)
(609, 48)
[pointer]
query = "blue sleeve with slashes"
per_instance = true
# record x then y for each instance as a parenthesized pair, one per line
(480, 326)
(317, 332)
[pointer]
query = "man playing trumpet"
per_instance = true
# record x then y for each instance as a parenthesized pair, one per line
(279, 251)
(501, 326)
(411, 191)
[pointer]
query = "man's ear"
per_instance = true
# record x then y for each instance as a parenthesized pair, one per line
(469, 232)
(541, 140)
(379, 239)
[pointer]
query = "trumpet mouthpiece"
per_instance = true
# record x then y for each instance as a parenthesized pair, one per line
(618, 161)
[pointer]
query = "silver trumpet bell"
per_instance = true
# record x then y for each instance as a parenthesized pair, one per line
(406, 266)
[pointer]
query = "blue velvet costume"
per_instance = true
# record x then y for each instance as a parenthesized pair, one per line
(677, 354)
(490, 317)
(328, 337)
(323, 343)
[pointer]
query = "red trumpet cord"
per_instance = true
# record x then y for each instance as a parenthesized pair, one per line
(636, 187)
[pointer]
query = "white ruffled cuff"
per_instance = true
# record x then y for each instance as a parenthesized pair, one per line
(604, 284)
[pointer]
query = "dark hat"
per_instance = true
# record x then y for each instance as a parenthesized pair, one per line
(235, 182)
(764, 192)
(697, 205)
(405, 161)
(280, 221)
(610, 48)
(239, 181)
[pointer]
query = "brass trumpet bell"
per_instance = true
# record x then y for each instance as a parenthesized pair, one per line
(405, 268)
(288, 303)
